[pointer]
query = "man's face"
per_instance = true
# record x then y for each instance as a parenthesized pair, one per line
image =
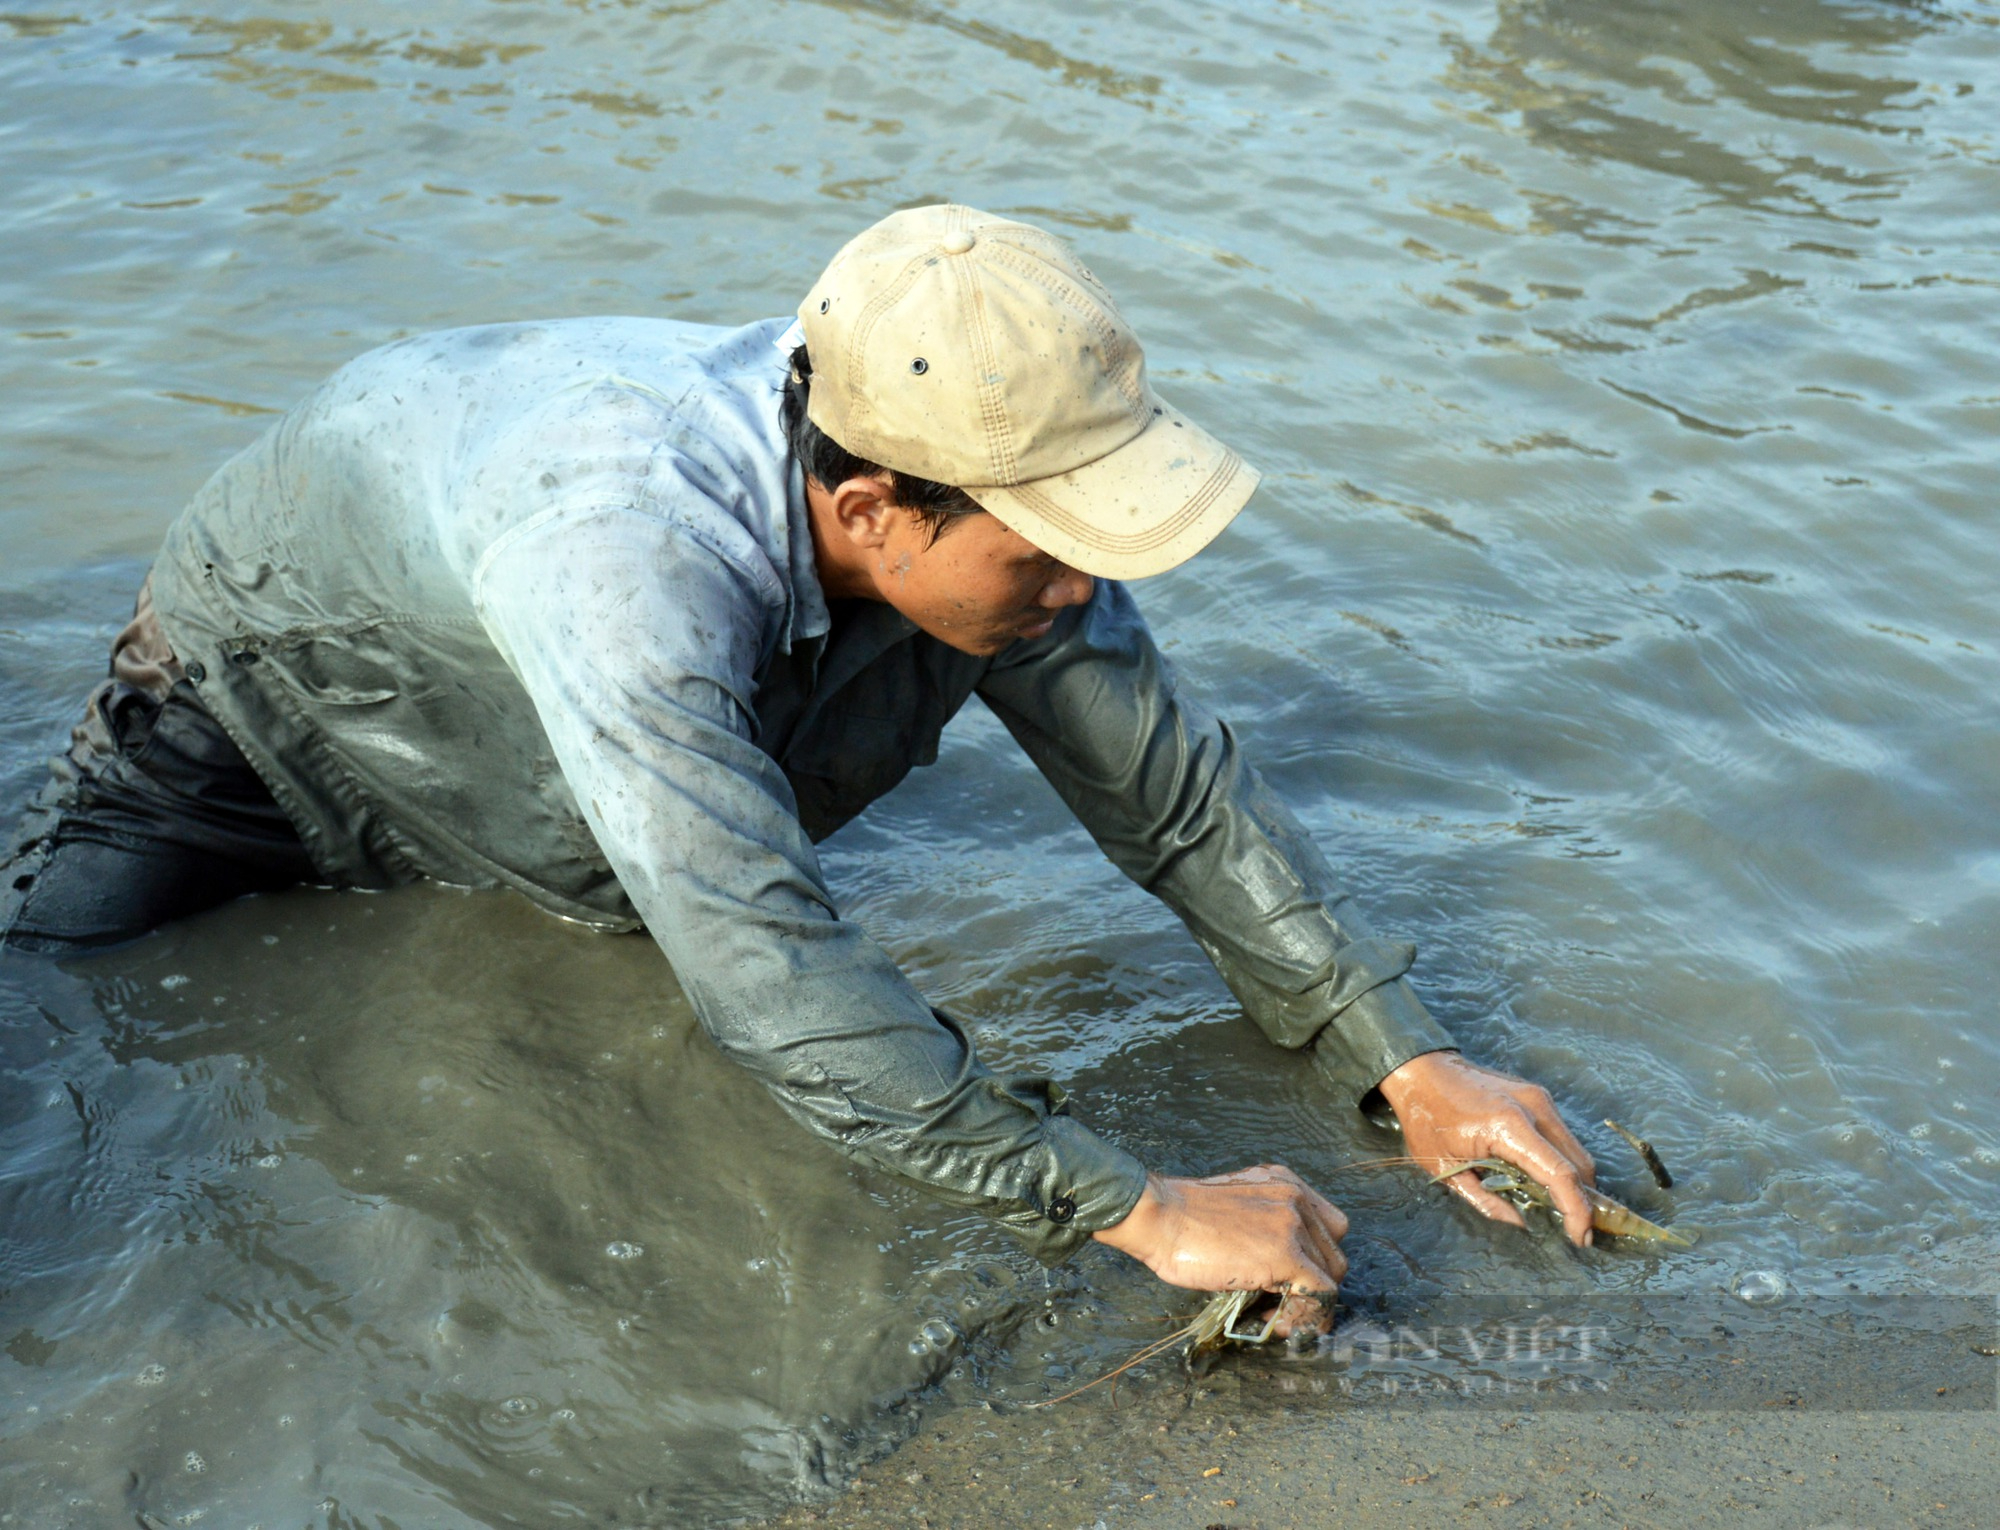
(978, 587)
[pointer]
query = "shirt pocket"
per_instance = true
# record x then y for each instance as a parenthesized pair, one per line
(362, 665)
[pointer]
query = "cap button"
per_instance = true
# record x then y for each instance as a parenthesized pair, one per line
(958, 241)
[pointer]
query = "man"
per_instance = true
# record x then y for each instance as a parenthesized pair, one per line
(625, 614)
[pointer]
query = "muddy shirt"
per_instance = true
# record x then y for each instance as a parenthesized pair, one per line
(535, 606)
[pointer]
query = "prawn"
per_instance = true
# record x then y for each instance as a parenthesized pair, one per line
(1210, 1329)
(1606, 1215)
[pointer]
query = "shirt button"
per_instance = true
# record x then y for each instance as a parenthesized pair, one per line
(196, 673)
(1061, 1209)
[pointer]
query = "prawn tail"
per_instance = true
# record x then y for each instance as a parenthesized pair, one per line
(1607, 1216)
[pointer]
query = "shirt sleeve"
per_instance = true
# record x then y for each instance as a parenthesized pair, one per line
(1164, 789)
(638, 638)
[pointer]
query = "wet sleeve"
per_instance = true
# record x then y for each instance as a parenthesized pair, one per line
(638, 641)
(1164, 789)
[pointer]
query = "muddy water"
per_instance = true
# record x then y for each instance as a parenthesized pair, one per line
(1618, 610)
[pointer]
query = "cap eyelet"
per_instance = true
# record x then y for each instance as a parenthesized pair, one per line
(824, 304)
(920, 366)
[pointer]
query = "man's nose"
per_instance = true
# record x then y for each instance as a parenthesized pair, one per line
(1069, 588)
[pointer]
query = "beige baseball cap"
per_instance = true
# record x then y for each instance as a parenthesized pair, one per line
(979, 352)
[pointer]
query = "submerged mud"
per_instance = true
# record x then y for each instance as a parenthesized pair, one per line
(471, 1219)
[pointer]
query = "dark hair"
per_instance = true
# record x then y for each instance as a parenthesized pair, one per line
(937, 507)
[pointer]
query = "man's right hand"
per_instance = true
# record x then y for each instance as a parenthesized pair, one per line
(1261, 1229)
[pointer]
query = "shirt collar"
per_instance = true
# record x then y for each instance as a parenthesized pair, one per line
(810, 618)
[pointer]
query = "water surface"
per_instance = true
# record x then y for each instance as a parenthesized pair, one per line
(1617, 610)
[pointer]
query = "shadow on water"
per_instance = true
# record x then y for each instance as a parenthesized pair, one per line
(427, 1203)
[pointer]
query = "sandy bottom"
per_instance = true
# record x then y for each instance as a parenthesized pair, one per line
(1227, 1451)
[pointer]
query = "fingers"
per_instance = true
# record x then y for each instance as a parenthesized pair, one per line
(1323, 1227)
(1261, 1228)
(1467, 1187)
(1559, 1177)
(1307, 1297)
(1323, 1271)
(1317, 1266)
(1552, 1126)
(1300, 1313)
(1321, 1223)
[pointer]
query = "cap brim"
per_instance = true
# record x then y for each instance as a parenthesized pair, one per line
(1153, 503)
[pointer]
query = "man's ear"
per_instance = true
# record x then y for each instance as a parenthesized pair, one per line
(865, 509)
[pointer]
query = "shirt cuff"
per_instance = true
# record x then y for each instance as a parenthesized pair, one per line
(1357, 1011)
(1375, 1035)
(1080, 1184)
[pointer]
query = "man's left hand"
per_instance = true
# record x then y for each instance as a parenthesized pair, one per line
(1453, 1111)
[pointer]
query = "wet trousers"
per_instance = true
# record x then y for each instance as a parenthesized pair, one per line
(152, 815)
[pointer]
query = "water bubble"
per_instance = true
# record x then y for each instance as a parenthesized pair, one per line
(270, 940)
(193, 1462)
(937, 1334)
(175, 980)
(1759, 1287)
(563, 1416)
(285, 1421)
(270, 1160)
(624, 1250)
(519, 1406)
(150, 1376)
(757, 1266)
